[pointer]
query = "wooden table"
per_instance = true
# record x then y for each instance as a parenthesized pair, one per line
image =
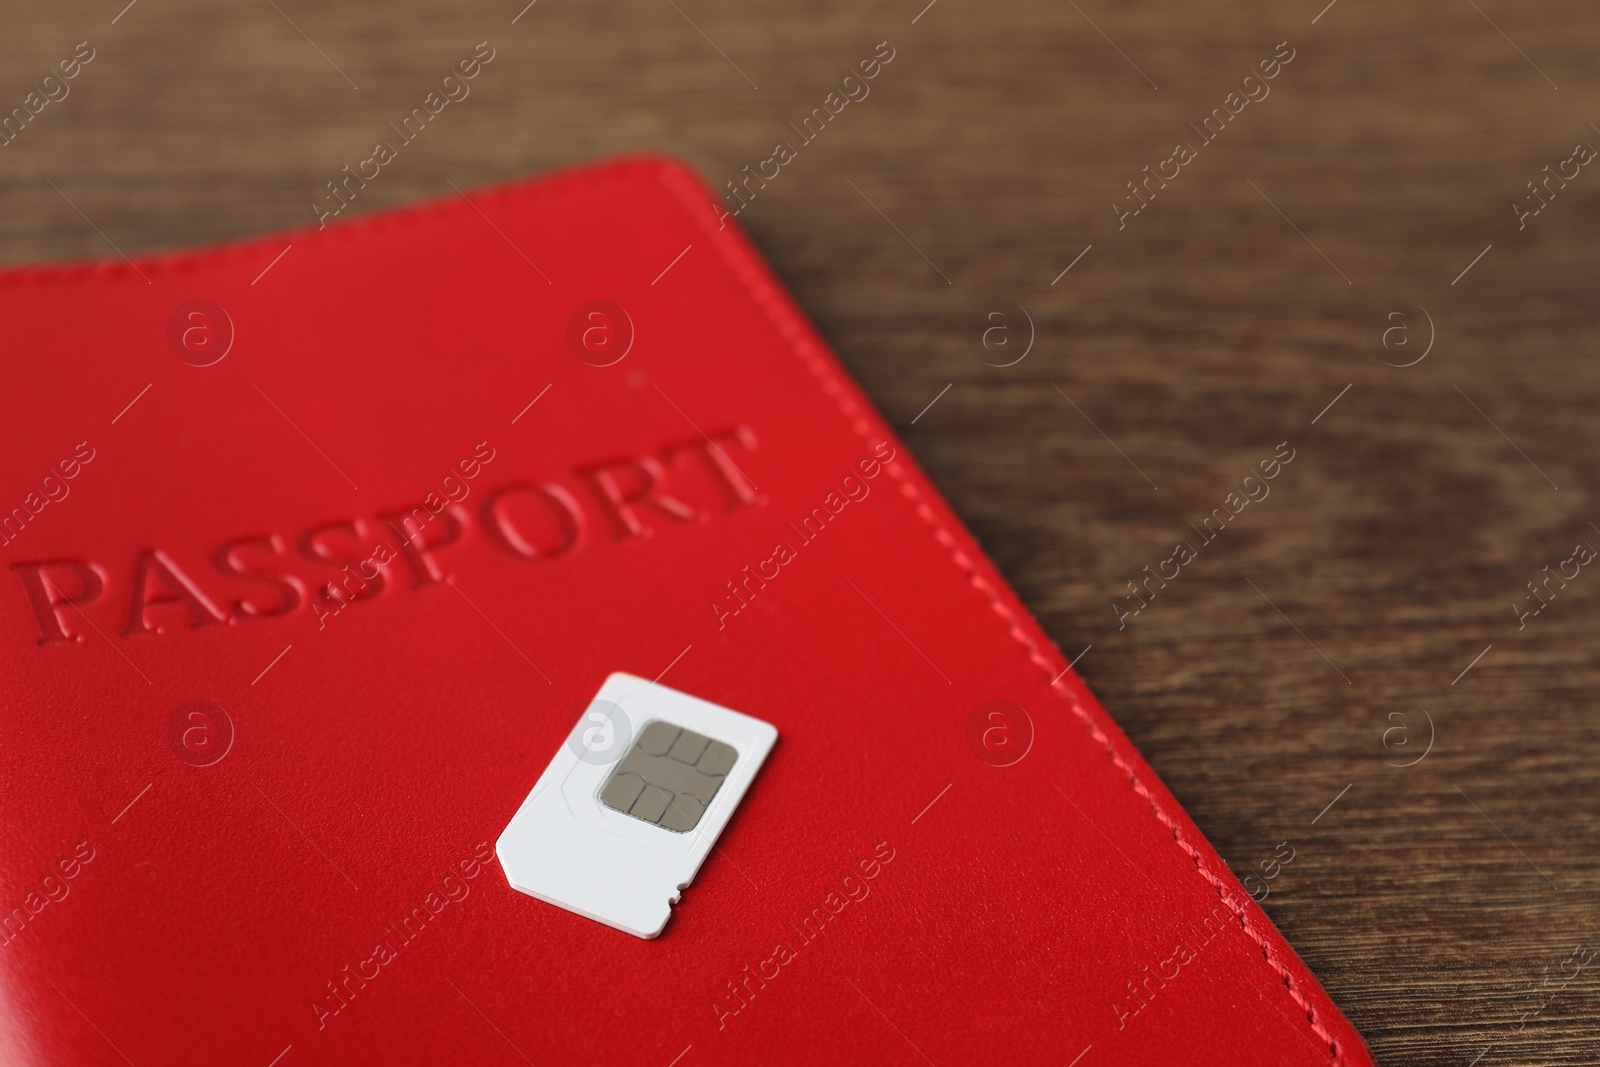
(1366, 605)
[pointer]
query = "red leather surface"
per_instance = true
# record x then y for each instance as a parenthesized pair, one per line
(1060, 907)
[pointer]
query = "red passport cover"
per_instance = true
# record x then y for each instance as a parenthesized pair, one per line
(317, 545)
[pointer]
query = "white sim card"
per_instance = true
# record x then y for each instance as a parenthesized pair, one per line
(630, 806)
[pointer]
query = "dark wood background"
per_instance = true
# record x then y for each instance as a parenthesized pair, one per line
(1440, 902)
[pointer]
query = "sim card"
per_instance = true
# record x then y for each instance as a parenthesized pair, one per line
(631, 805)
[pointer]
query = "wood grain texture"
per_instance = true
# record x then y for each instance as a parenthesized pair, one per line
(1213, 326)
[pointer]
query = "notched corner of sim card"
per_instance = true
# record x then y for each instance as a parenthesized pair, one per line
(623, 817)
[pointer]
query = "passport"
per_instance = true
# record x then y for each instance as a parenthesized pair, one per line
(316, 546)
